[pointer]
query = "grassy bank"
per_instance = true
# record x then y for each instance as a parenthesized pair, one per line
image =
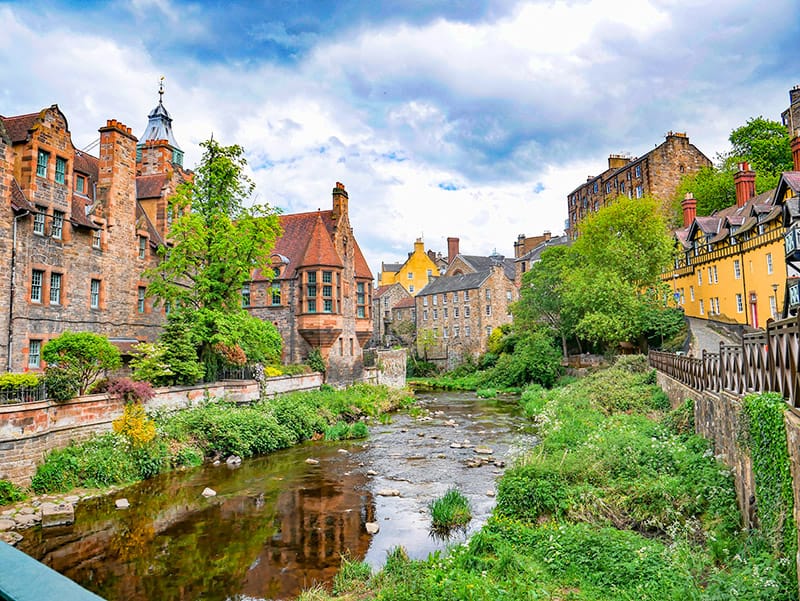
(619, 501)
(142, 446)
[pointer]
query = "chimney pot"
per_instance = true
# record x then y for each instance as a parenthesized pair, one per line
(689, 206)
(796, 149)
(745, 182)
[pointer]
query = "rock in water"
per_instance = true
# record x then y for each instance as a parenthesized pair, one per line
(310, 461)
(388, 492)
(372, 527)
(209, 492)
(122, 503)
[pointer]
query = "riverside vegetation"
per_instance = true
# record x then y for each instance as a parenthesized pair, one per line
(142, 445)
(621, 500)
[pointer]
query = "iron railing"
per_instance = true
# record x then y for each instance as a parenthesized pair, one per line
(766, 361)
(23, 394)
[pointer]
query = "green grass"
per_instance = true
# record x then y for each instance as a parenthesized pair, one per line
(450, 511)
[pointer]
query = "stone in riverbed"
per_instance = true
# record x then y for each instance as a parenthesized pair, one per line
(388, 492)
(57, 515)
(24, 520)
(455, 445)
(7, 525)
(11, 538)
(311, 461)
(483, 450)
(234, 460)
(372, 527)
(372, 473)
(489, 493)
(122, 503)
(72, 499)
(209, 492)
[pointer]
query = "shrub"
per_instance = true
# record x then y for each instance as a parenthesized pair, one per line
(85, 355)
(315, 361)
(450, 511)
(151, 459)
(535, 359)
(10, 493)
(135, 426)
(61, 384)
(130, 391)
(10, 381)
(343, 431)
(301, 418)
(188, 456)
(529, 492)
(150, 364)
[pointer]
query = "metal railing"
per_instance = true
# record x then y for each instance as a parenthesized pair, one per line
(764, 362)
(23, 394)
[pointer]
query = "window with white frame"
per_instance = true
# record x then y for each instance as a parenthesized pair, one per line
(739, 303)
(455, 331)
(245, 295)
(435, 299)
(34, 354)
(699, 277)
(488, 309)
(691, 292)
(140, 299)
(55, 288)
(716, 275)
(94, 294)
(737, 269)
(424, 315)
(38, 220)
(411, 288)
(96, 238)
(466, 331)
(436, 313)
(41, 163)
(424, 301)
(466, 310)
(57, 230)
(37, 277)
(702, 307)
(455, 311)
(142, 247)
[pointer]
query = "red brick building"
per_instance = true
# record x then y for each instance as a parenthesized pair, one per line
(78, 230)
(320, 292)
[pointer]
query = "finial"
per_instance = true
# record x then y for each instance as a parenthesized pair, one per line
(160, 89)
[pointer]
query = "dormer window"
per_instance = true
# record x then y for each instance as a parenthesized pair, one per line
(80, 184)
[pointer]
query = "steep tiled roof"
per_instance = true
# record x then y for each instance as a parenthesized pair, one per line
(18, 200)
(86, 164)
(297, 228)
(381, 290)
(155, 238)
(319, 247)
(78, 217)
(451, 283)
(150, 186)
(18, 127)
(361, 268)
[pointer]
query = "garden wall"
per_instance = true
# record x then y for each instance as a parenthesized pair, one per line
(29, 430)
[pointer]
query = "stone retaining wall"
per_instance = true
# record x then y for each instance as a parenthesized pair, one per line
(28, 431)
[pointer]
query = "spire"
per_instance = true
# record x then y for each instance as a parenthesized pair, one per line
(159, 127)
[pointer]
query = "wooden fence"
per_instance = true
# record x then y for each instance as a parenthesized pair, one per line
(764, 361)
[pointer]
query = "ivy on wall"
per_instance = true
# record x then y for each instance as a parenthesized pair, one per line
(765, 435)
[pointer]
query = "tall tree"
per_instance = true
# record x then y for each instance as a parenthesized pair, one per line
(216, 242)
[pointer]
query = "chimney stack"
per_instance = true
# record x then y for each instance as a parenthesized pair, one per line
(796, 149)
(689, 206)
(339, 201)
(745, 181)
(452, 249)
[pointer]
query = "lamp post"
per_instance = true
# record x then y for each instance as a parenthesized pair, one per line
(775, 296)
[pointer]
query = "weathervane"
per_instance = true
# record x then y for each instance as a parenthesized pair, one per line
(160, 89)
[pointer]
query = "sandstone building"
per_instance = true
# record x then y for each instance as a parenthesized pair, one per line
(78, 230)
(456, 313)
(656, 173)
(319, 294)
(413, 274)
(384, 301)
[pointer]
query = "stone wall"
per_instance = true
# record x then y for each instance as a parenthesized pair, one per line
(392, 368)
(28, 431)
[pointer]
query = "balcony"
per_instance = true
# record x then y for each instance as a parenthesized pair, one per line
(320, 330)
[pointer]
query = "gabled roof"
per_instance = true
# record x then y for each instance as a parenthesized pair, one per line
(155, 238)
(381, 290)
(451, 283)
(391, 267)
(19, 126)
(535, 253)
(319, 248)
(361, 267)
(479, 263)
(150, 186)
(86, 164)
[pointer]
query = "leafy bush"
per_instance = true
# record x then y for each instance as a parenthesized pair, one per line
(10, 493)
(535, 359)
(301, 418)
(61, 384)
(450, 511)
(9, 381)
(84, 355)
(151, 459)
(130, 391)
(529, 492)
(188, 456)
(315, 361)
(344, 431)
(135, 426)
(151, 364)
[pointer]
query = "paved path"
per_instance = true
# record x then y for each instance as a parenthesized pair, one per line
(706, 337)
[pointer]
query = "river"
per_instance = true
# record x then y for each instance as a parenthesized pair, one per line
(280, 523)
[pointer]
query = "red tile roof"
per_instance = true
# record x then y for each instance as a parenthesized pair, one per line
(150, 186)
(86, 164)
(18, 200)
(155, 237)
(319, 248)
(78, 217)
(381, 290)
(19, 126)
(361, 267)
(405, 303)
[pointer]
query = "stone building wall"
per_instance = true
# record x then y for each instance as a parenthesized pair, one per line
(6, 240)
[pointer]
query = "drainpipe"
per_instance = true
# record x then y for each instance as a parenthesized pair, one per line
(13, 280)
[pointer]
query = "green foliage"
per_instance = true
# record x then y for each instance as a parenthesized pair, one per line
(150, 363)
(302, 418)
(529, 492)
(180, 350)
(352, 576)
(259, 339)
(188, 456)
(341, 430)
(217, 240)
(419, 368)
(61, 384)
(10, 493)
(151, 459)
(10, 381)
(486, 393)
(498, 341)
(534, 360)
(681, 419)
(84, 355)
(765, 435)
(450, 511)
(315, 361)
(765, 143)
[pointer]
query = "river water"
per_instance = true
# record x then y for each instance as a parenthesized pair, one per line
(280, 524)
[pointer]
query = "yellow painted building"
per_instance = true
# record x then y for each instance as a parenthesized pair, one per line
(730, 266)
(414, 274)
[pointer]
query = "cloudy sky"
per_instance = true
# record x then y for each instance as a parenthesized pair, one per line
(468, 118)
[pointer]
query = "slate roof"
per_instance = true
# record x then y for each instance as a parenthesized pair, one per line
(392, 267)
(479, 263)
(150, 186)
(19, 126)
(452, 283)
(535, 253)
